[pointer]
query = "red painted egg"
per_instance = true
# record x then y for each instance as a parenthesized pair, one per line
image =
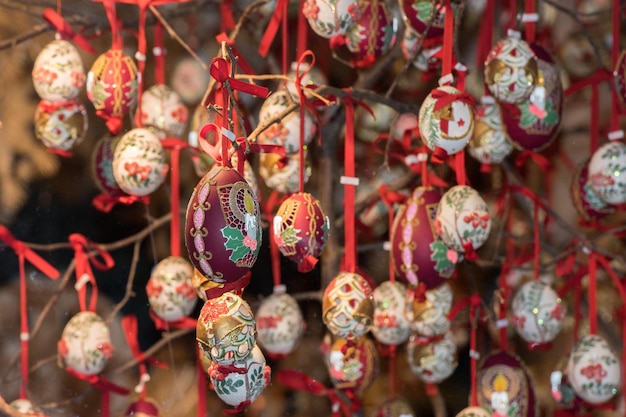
(112, 83)
(301, 230)
(223, 226)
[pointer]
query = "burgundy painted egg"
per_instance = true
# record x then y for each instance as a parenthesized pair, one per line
(353, 365)
(418, 13)
(61, 126)
(533, 123)
(372, 34)
(418, 255)
(504, 386)
(102, 160)
(301, 230)
(112, 83)
(223, 226)
(587, 203)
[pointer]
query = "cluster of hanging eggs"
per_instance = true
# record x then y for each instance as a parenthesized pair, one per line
(58, 77)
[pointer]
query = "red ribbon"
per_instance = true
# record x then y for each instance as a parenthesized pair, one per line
(280, 11)
(459, 167)
(241, 61)
(82, 255)
(349, 189)
(24, 253)
(104, 385)
(220, 71)
(530, 25)
(236, 286)
(302, 382)
(470, 252)
(302, 109)
(116, 39)
(184, 323)
(201, 384)
(390, 197)
(175, 145)
(448, 39)
(65, 30)
(159, 54)
(228, 20)
(475, 304)
(592, 296)
(541, 161)
(272, 202)
(615, 51)
(445, 98)
(104, 202)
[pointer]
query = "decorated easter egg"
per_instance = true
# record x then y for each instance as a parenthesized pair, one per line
(606, 167)
(446, 120)
(473, 412)
(427, 311)
(286, 131)
(404, 127)
(490, 143)
(504, 386)
(226, 330)
(102, 163)
(170, 291)
(463, 221)
(372, 34)
(427, 58)
(587, 203)
(433, 361)
(511, 70)
(353, 365)
(417, 253)
(190, 80)
(419, 14)
(223, 226)
(142, 408)
(396, 407)
(594, 370)
(574, 52)
(112, 83)
(538, 313)
(283, 173)
(58, 73)
(279, 324)
(329, 18)
(242, 385)
(310, 77)
(85, 346)
(390, 326)
(163, 110)
(533, 123)
(26, 407)
(61, 125)
(347, 307)
(139, 162)
(301, 230)
(369, 125)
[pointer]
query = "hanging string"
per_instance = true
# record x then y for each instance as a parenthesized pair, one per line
(300, 74)
(159, 54)
(475, 303)
(65, 31)
(116, 39)
(273, 201)
(485, 38)
(592, 296)
(303, 30)
(202, 384)
(512, 15)
(175, 145)
(279, 17)
(530, 18)
(349, 182)
(615, 50)
(448, 40)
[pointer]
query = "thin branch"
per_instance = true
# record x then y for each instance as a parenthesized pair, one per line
(128, 293)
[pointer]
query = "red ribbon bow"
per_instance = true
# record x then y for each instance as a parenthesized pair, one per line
(101, 383)
(220, 71)
(445, 98)
(81, 245)
(105, 202)
(542, 162)
(24, 252)
(65, 30)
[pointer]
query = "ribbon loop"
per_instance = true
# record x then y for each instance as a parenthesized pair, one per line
(65, 30)
(219, 70)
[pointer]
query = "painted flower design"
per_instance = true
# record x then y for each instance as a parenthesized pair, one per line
(136, 170)
(310, 9)
(596, 372)
(477, 220)
(180, 113)
(277, 130)
(519, 321)
(249, 242)
(537, 111)
(106, 349)
(77, 79)
(62, 348)
(186, 290)
(44, 75)
(268, 322)
(602, 180)
(216, 311)
(153, 289)
(385, 320)
(438, 227)
(558, 312)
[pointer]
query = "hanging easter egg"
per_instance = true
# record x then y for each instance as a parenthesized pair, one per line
(594, 370)
(329, 18)
(533, 123)
(26, 407)
(368, 126)
(226, 330)
(286, 131)
(511, 71)
(504, 387)
(242, 385)
(85, 345)
(372, 34)
(446, 119)
(396, 407)
(427, 58)
(163, 110)
(142, 408)
(283, 173)
(301, 230)
(347, 307)
(170, 292)
(58, 73)
(223, 226)
(279, 324)
(102, 163)
(587, 203)
(473, 412)
(139, 162)
(353, 365)
(490, 143)
(311, 77)
(404, 128)
(620, 77)
(418, 255)
(427, 312)
(606, 167)
(61, 126)
(574, 52)
(426, 17)
(538, 313)
(434, 361)
(390, 326)
(112, 83)
(463, 221)
(190, 80)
